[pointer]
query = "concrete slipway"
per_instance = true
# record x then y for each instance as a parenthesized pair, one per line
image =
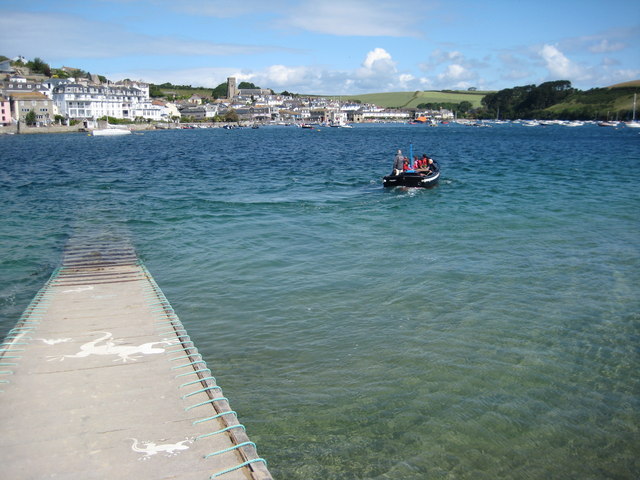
(99, 380)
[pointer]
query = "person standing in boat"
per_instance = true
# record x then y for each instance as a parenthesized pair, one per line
(398, 162)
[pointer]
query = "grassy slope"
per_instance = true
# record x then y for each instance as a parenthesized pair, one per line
(633, 83)
(617, 98)
(389, 100)
(412, 99)
(201, 92)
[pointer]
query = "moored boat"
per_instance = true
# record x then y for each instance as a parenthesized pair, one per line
(633, 123)
(108, 132)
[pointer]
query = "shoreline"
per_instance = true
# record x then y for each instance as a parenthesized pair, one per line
(24, 130)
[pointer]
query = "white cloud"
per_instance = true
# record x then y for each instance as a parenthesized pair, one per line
(370, 18)
(583, 75)
(609, 41)
(379, 60)
(604, 46)
(425, 83)
(454, 72)
(378, 72)
(456, 76)
(297, 78)
(201, 77)
(439, 57)
(558, 65)
(406, 78)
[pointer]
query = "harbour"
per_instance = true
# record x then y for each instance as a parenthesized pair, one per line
(483, 328)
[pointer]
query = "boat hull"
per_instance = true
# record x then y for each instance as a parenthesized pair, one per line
(411, 179)
(109, 132)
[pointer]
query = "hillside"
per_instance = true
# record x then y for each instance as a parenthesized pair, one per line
(615, 102)
(413, 99)
(632, 83)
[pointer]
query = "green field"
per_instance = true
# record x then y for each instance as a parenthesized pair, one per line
(413, 99)
(187, 92)
(386, 100)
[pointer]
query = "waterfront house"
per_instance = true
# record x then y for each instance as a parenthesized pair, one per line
(24, 102)
(195, 112)
(95, 101)
(5, 111)
(168, 110)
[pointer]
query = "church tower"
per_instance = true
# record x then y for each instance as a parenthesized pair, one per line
(232, 89)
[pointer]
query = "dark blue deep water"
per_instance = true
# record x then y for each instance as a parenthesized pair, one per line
(486, 328)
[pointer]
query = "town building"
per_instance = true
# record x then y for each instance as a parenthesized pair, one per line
(168, 110)
(195, 99)
(233, 91)
(5, 111)
(17, 83)
(200, 112)
(24, 102)
(96, 101)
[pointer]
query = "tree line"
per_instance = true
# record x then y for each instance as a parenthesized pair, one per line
(220, 91)
(556, 100)
(39, 66)
(461, 108)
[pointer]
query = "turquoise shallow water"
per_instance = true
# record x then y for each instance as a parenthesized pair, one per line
(486, 328)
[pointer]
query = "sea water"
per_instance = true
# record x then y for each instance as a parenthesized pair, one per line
(485, 328)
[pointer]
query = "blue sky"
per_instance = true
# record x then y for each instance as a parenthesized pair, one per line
(333, 46)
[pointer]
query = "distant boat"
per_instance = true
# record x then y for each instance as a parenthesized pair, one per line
(633, 123)
(110, 132)
(341, 125)
(608, 124)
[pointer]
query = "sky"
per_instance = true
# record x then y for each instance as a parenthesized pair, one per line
(333, 47)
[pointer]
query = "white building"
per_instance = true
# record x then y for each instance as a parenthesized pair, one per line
(385, 115)
(95, 101)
